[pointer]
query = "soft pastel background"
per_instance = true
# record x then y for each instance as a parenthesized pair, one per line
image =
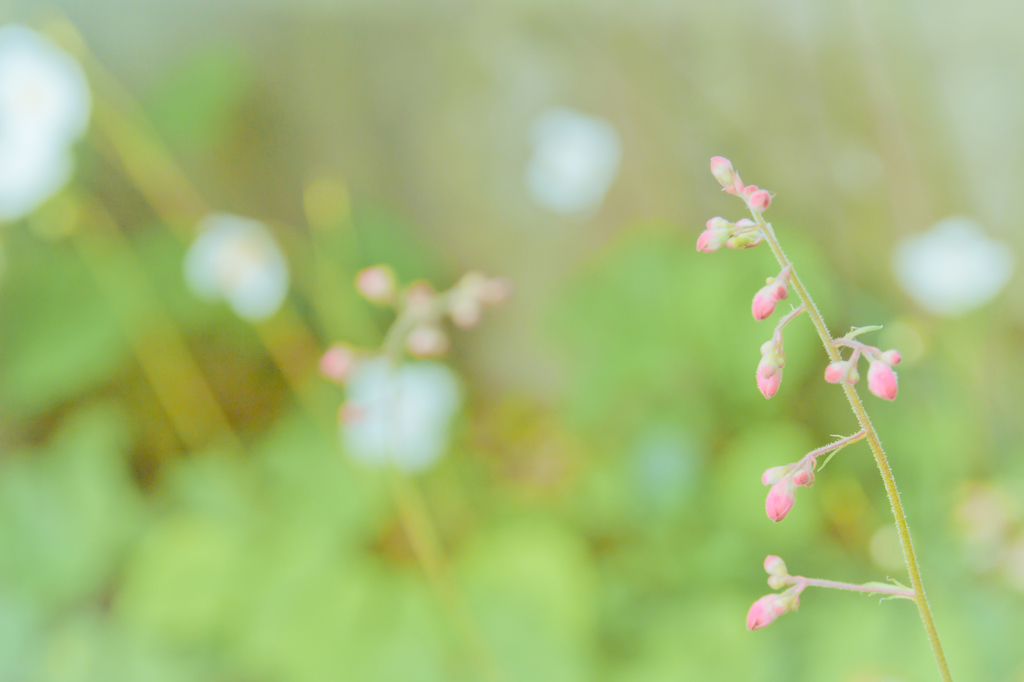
(174, 500)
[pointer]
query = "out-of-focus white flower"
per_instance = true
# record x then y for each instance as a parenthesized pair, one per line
(236, 259)
(954, 267)
(44, 107)
(575, 159)
(399, 415)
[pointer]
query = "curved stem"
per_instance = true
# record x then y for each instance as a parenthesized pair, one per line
(876, 448)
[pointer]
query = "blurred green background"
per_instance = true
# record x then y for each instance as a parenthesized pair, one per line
(174, 500)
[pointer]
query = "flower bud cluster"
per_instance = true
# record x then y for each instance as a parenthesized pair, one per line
(784, 480)
(770, 294)
(769, 607)
(423, 309)
(743, 234)
(881, 377)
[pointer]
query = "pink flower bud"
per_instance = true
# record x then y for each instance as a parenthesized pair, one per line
(775, 474)
(763, 305)
(773, 565)
(837, 372)
(427, 341)
(769, 607)
(892, 357)
(715, 235)
(780, 499)
(377, 283)
(769, 374)
(759, 200)
(337, 362)
(882, 380)
(723, 171)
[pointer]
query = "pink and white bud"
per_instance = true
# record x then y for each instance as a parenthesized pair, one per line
(763, 305)
(891, 357)
(775, 474)
(769, 607)
(837, 372)
(882, 380)
(377, 284)
(780, 499)
(427, 341)
(745, 240)
(717, 232)
(759, 200)
(773, 565)
(723, 171)
(769, 378)
(337, 362)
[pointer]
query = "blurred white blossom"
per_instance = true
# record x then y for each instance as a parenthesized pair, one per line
(399, 415)
(236, 259)
(575, 159)
(954, 267)
(44, 107)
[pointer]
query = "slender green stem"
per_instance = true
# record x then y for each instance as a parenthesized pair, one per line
(876, 448)
(870, 589)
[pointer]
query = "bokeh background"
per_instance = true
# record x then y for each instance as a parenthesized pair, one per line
(175, 501)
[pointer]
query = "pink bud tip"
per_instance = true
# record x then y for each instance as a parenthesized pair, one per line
(769, 385)
(836, 372)
(765, 610)
(723, 171)
(780, 499)
(337, 362)
(892, 357)
(706, 242)
(759, 200)
(376, 283)
(773, 565)
(763, 305)
(882, 380)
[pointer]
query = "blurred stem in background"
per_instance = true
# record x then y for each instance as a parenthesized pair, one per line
(130, 141)
(160, 348)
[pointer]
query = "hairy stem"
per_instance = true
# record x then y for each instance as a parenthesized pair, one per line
(876, 448)
(870, 589)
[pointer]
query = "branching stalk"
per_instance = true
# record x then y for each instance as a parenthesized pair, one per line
(884, 469)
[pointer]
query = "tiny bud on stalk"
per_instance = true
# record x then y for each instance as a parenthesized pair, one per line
(377, 284)
(882, 380)
(723, 171)
(337, 362)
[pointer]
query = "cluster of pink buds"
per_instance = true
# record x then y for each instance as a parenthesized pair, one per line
(881, 377)
(757, 199)
(420, 312)
(784, 480)
(769, 607)
(743, 234)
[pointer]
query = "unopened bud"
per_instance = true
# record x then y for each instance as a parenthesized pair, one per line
(427, 341)
(777, 582)
(763, 305)
(745, 240)
(780, 499)
(723, 171)
(882, 380)
(769, 607)
(715, 235)
(773, 565)
(337, 362)
(377, 284)
(759, 200)
(892, 357)
(804, 478)
(775, 474)
(769, 378)
(837, 372)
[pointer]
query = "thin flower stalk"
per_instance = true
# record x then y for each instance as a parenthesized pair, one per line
(882, 382)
